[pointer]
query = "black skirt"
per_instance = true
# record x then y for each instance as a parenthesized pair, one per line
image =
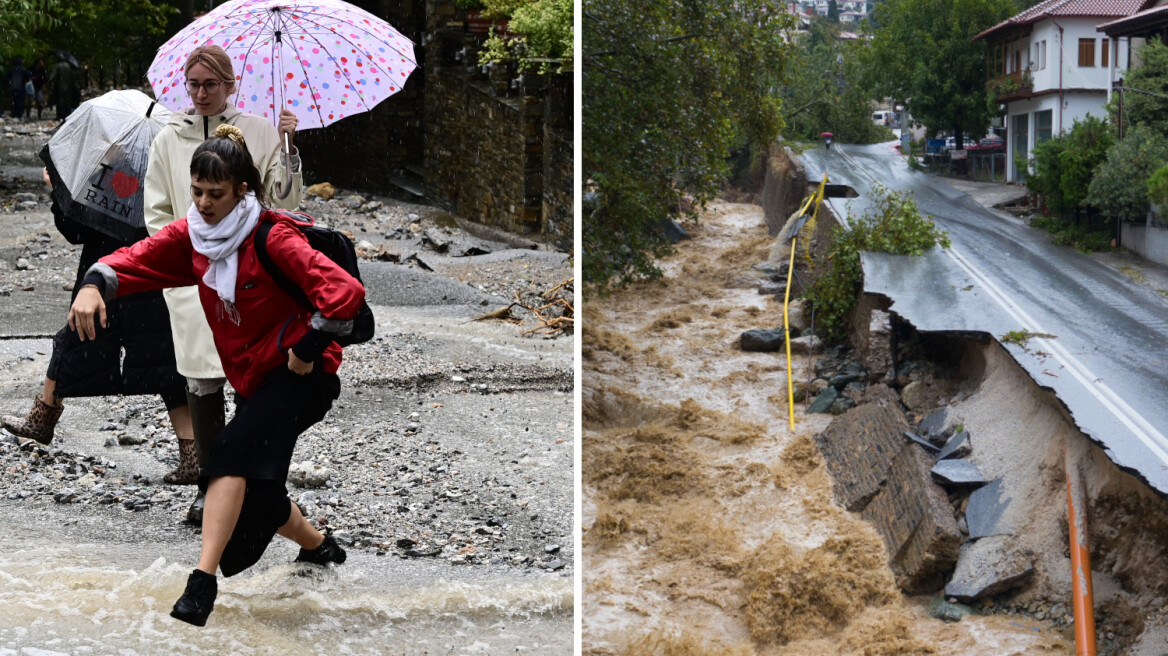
(257, 444)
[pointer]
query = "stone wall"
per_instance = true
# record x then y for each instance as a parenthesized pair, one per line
(498, 144)
(493, 146)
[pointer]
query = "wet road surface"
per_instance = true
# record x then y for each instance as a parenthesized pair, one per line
(1108, 346)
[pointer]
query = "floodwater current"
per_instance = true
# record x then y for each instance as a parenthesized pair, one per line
(68, 587)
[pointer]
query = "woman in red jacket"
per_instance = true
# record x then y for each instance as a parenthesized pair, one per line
(279, 357)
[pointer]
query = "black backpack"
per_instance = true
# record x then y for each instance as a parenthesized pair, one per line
(339, 249)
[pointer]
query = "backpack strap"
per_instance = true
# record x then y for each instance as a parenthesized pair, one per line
(261, 248)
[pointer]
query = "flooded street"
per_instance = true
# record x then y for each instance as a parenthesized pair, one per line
(709, 526)
(447, 464)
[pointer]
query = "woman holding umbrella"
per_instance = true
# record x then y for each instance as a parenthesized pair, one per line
(280, 358)
(209, 81)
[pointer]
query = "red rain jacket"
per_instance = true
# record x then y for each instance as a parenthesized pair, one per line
(249, 351)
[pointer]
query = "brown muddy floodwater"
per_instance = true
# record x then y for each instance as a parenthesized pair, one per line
(709, 526)
(60, 595)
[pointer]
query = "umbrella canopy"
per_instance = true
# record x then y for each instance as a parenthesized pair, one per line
(97, 161)
(321, 59)
(66, 57)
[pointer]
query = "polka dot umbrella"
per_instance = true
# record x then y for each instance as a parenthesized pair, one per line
(321, 59)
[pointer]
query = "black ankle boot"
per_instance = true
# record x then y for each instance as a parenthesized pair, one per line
(197, 600)
(328, 552)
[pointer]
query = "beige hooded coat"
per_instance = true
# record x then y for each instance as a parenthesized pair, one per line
(167, 195)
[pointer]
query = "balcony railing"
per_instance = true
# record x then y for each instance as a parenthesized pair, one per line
(1011, 86)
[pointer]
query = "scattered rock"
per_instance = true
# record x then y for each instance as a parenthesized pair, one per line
(309, 474)
(948, 611)
(913, 395)
(824, 401)
(323, 190)
(806, 345)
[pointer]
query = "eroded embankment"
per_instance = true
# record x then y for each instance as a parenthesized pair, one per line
(709, 526)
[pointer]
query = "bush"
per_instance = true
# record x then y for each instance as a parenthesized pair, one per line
(896, 227)
(1121, 184)
(1075, 235)
(1064, 166)
(544, 29)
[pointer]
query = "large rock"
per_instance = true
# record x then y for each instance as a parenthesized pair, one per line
(859, 446)
(823, 402)
(762, 340)
(806, 345)
(988, 567)
(797, 316)
(914, 395)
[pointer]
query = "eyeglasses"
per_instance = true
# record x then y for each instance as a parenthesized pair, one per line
(211, 86)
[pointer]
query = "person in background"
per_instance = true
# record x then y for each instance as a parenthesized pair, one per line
(280, 357)
(64, 87)
(210, 79)
(133, 355)
(39, 77)
(18, 77)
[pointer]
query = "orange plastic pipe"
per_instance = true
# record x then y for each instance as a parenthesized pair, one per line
(1083, 601)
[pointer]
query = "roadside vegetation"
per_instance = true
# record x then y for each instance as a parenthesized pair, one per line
(896, 226)
(1103, 173)
(668, 91)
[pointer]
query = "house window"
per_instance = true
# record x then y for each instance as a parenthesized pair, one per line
(1104, 53)
(1039, 59)
(1042, 126)
(1086, 53)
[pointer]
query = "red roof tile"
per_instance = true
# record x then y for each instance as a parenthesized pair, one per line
(1069, 8)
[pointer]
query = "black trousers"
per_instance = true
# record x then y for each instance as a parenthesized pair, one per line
(257, 444)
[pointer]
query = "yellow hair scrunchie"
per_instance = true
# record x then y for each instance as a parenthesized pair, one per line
(230, 132)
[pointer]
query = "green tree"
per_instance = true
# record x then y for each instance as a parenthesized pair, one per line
(666, 88)
(1086, 149)
(828, 89)
(1120, 186)
(1146, 100)
(18, 20)
(833, 11)
(923, 54)
(1065, 165)
(542, 35)
(111, 34)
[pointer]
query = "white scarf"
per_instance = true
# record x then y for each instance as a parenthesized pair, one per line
(220, 243)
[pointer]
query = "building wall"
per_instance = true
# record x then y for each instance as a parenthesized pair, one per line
(1149, 241)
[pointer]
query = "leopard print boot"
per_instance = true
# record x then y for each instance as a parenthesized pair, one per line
(187, 472)
(39, 423)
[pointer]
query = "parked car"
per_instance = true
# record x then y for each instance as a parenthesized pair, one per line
(991, 144)
(885, 117)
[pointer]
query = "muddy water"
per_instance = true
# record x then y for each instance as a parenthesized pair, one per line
(64, 592)
(709, 526)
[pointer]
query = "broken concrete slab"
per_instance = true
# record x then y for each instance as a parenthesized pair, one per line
(762, 340)
(859, 446)
(913, 515)
(823, 402)
(958, 446)
(929, 446)
(957, 473)
(985, 509)
(935, 424)
(988, 567)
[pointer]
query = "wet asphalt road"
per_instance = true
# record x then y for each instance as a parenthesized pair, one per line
(1106, 359)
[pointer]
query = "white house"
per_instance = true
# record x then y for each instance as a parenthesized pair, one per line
(1049, 66)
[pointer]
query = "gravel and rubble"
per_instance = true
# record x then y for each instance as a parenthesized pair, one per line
(452, 438)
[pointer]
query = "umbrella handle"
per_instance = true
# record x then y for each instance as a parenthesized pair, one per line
(284, 188)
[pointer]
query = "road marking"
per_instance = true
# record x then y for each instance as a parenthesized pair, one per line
(1127, 415)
